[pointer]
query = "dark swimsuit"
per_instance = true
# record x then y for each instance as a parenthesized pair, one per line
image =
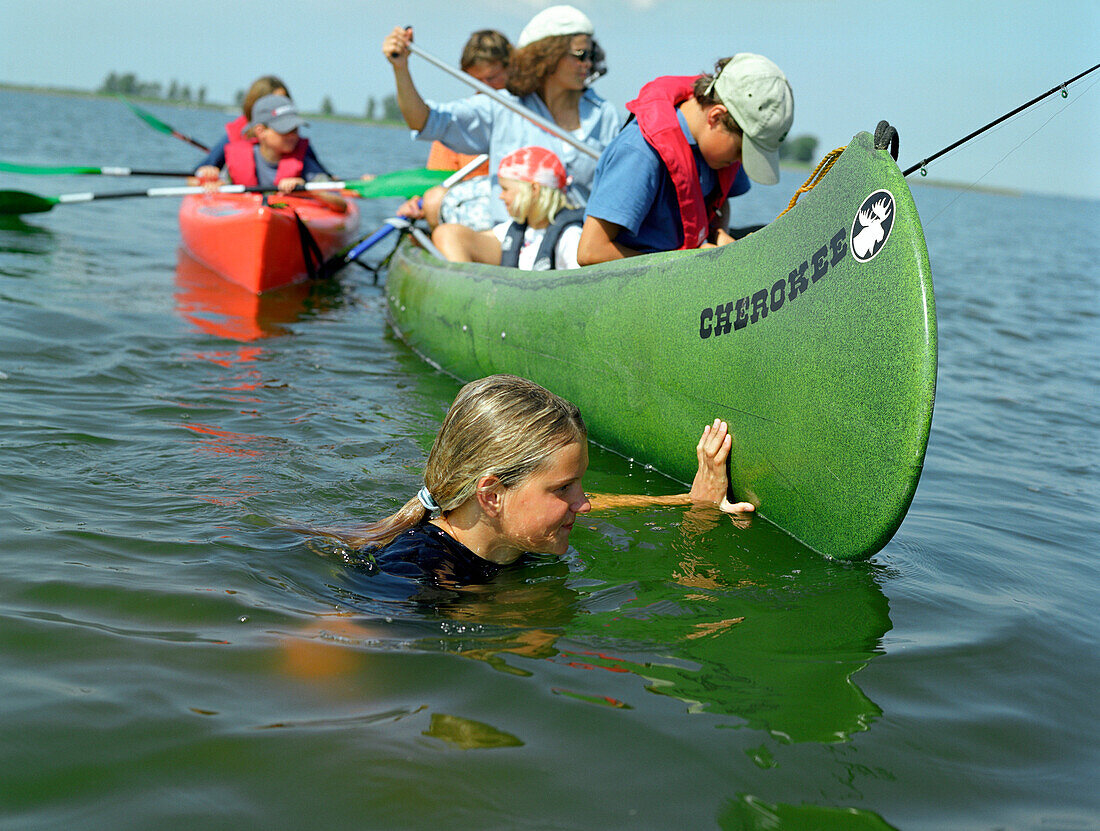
(426, 553)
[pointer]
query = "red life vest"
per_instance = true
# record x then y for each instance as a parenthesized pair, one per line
(241, 164)
(235, 128)
(655, 109)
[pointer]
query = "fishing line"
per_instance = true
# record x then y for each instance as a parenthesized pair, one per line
(1062, 87)
(1065, 94)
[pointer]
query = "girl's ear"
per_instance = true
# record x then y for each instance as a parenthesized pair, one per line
(490, 495)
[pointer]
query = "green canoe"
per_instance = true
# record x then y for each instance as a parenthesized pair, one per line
(815, 338)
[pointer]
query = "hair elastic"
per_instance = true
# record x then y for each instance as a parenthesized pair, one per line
(425, 497)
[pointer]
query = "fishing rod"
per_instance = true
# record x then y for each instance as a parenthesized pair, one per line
(921, 165)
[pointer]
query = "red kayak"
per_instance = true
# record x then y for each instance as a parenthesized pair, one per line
(264, 241)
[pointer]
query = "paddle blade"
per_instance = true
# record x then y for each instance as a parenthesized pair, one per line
(402, 183)
(38, 169)
(14, 202)
(148, 118)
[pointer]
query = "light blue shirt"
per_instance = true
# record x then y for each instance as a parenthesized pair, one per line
(479, 124)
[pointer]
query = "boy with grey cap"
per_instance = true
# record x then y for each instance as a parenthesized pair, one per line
(662, 184)
(278, 157)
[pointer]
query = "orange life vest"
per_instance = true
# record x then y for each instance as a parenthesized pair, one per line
(241, 163)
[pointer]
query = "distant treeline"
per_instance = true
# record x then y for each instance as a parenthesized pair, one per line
(130, 85)
(797, 149)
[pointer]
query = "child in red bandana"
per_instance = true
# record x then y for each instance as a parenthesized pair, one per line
(545, 229)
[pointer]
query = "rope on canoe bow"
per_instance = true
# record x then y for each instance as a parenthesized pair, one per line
(886, 138)
(819, 173)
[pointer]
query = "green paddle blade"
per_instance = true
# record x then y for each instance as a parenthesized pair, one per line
(402, 183)
(20, 202)
(161, 127)
(148, 118)
(39, 169)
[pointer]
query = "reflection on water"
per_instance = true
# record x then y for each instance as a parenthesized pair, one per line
(222, 308)
(773, 637)
(750, 814)
(468, 734)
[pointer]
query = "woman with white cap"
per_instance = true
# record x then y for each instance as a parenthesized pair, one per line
(664, 181)
(548, 74)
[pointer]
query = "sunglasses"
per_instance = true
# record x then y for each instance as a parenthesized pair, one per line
(582, 55)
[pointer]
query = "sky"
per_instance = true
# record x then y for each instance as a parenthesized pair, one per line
(937, 70)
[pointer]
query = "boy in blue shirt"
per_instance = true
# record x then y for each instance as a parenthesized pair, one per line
(663, 182)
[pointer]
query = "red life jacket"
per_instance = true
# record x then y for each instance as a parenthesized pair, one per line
(655, 109)
(241, 164)
(235, 128)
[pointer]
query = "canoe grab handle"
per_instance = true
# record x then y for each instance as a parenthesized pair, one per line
(886, 138)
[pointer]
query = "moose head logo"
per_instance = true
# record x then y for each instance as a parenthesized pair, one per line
(871, 227)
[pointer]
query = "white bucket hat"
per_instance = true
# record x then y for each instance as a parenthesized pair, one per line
(758, 96)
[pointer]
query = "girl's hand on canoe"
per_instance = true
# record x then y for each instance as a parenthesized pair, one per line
(395, 46)
(711, 482)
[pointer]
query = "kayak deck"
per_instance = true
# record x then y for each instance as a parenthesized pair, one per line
(255, 240)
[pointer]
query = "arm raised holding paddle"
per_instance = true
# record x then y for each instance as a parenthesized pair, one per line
(485, 58)
(395, 47)
(547, 102)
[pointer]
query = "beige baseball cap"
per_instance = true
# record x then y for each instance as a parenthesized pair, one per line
(758, 96)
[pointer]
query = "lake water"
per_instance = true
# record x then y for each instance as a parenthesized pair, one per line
(172, 657)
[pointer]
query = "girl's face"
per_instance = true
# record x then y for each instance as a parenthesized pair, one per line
(510, 190)
(571, 71)
(538, 514)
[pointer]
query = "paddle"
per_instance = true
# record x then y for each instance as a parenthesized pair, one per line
(514, 106)
(77, 170)
(400, 183)
(338, 261)
(161, 127)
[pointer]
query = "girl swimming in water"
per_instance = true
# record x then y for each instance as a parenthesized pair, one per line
(503, 478)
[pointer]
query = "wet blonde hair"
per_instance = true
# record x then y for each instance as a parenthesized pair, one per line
(502, 426)
(528, 208)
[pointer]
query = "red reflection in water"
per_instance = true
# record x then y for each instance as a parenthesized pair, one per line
(222, 308)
